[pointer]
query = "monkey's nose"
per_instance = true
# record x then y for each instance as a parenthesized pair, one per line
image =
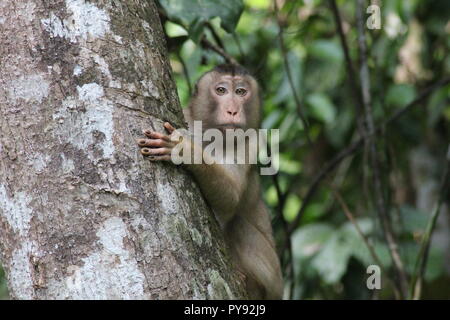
(232, 113)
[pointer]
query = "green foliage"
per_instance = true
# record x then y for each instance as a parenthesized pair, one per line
(327, 250)
(192, 14)
(331, 262)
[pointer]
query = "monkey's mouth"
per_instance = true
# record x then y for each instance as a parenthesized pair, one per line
(232, 126)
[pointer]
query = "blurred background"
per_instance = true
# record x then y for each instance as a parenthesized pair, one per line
(339, 202)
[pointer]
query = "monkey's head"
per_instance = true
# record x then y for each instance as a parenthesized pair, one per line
(227, 97)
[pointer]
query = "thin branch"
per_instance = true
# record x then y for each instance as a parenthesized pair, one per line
(422, 258)
(281, 199)
(380, 201)
(369, 246)
(210, 46)
(418, 100)
(289, 75)
(185, 72)
(352, 219)
(280, 208)
(326, 169)
(348, 62)
(238, 43)
(215, 36)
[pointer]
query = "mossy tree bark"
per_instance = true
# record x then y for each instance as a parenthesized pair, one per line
(82, 214)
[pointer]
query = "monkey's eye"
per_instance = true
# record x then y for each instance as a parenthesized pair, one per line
(221, 91)
(241, 92)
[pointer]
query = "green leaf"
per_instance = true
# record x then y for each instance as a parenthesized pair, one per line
(400, 95)
(349, 229)
(413, 220)
(323, 75)
(324, 65)
(271, 196)
(284, 92)
(272, 119)
(314, 211)
(193, 13)
(174, 30)
(195, 30)
(331, 262)
(291, 207)
(321, 107)
(258, 4)
(289, 166)
(289, 126)
(354, 241)
(362, 254)
(437, 105)
(309, 239)
(435, 262)
(326, 50)
(337, 130)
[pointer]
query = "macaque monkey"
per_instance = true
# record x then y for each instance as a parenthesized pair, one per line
(227, 97)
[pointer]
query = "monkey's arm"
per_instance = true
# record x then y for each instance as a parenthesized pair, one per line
(221, 184)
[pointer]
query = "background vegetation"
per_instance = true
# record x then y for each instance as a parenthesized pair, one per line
(361, 176)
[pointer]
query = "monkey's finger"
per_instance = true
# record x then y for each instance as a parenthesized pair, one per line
(156, 135)
(160, 151)
(159, 158)
(169, 127)
(155, 151)
(153, 143)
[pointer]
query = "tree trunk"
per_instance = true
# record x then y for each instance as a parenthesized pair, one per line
(82, 214)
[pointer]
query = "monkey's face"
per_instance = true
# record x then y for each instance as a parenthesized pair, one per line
(233, 101)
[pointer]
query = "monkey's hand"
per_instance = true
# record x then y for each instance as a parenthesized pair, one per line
(158, 146)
